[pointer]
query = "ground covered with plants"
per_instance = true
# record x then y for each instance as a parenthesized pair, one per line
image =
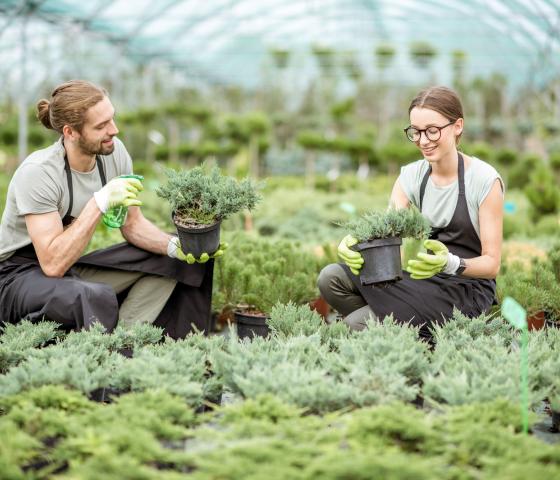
(312, 400)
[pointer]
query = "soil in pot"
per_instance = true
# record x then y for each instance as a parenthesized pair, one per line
(198, 239)
(251, 324)
(382, 260)
(536, 321)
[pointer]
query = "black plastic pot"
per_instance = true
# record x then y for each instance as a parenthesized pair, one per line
(552, 324)
(555, 422)
(250, 325)
(382, 260)
(199, 240)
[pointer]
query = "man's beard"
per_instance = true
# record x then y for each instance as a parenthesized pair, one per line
(93, 148)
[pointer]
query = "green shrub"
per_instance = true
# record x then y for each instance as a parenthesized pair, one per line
(554, 161)
(506, 157)
(262, 272)
(404, 222)
(293, 320)
(392, 155)
(381, 364)
(481, 370)
(9, 135)
(462, 330)
(85, 368)
(17, 340)
(206, 197)
(542, 192)
(311, 140)
(514, 225)
(519, 174)
(481, 150)
(548, 224)
(174, 367)
(536, 288)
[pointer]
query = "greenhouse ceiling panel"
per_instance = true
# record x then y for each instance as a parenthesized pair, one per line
(232, 41)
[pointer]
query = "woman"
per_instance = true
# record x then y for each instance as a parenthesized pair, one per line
(462, 197)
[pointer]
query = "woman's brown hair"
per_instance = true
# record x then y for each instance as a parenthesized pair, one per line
(68, 105)
(442, 100)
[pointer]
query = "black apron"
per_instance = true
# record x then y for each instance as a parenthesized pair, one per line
(424, 302)
(25, 292)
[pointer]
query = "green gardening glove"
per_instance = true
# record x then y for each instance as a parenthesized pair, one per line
(351, 258)
(427, 265)
(174, 251)
(119, 191)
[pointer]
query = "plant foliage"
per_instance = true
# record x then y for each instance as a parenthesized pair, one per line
(404, 222)
(205, 197)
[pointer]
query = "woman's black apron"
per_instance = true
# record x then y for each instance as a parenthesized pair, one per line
(25, 292)
(423, 302)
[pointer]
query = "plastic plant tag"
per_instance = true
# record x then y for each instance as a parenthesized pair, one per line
(347, 207)
(514, 313)
(517, 316)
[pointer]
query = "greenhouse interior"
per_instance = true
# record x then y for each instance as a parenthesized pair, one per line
(279, 239)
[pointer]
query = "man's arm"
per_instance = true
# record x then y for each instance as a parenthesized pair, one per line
(58, 249)
(142, 233)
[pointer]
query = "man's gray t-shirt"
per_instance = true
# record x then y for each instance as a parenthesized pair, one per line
(439, 203)
(39, 185)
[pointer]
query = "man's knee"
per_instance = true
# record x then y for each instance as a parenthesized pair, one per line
(84, 303)
(93, 291)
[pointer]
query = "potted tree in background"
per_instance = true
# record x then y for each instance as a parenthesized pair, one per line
(200, 200)
(380, 235)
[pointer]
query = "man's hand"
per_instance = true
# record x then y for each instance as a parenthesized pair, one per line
(427, 265)
(351, 258)
(174, 251)
(119, 191)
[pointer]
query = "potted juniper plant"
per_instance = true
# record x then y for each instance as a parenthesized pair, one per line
(379, 236)
(200, 200)
(259, 273)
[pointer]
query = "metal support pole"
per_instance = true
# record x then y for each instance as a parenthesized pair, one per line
(23, 120)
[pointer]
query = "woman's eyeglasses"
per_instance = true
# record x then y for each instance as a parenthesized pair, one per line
(433, 133)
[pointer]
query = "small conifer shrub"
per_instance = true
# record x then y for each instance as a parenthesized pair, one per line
(403, 222)
(259, 273)
(201, 197)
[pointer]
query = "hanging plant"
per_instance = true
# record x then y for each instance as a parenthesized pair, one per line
(385, 54)
(422, 53)
(280, 57)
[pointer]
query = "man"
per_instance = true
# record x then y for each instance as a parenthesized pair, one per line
(55, 200)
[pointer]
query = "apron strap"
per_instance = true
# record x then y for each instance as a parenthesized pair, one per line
(70, 188)
(461, 175)
(67, 219)
(423, 185)
(101, 170)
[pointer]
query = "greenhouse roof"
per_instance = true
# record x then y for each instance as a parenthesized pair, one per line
(229, 41)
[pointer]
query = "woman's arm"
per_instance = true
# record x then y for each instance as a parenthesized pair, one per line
(398, 197)
(490, 216)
